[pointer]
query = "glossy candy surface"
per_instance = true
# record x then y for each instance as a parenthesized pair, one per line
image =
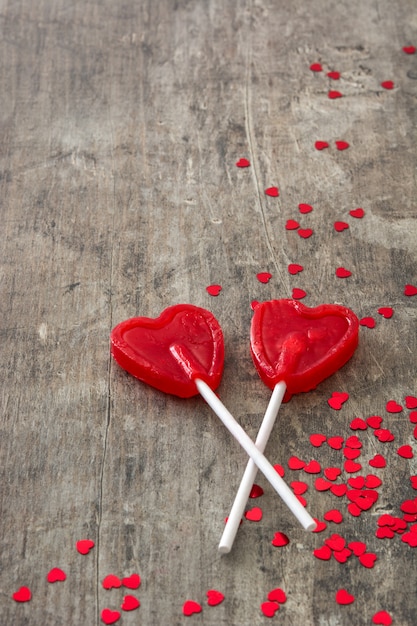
(300, 345)
(147, 348)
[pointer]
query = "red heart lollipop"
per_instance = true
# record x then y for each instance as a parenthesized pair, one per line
(299, 345)
(142, 346)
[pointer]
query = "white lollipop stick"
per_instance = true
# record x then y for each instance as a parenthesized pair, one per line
(236, 512)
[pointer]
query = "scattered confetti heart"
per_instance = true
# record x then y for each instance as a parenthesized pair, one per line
(321, 484)
(358, 424)
(321, 145)
(406, 452)
(342, 145)
(358, 213)
(110, 617)
(378, 461)
(336, 442)
(344, 597)
(23, 594)
(387, 84)
(269, 608)
(111, 582)
(316, 67)
(410, 290)
(264, 277)
(409, 506)
(338, 490)
(368, 559)
(320, 526)
(130, 603)
(292, 225)
(280, 539)
(334, 94)
(382, 618)
(313, 467)
(256, 491)
(374, 421)
(333, 75)
(351, 466)
(342, 272)
(305, 233)
(411, 402)
(324, 553)
(372, 481)
(294, 268)
(333, 516)
(368, 322)
(131, 582)
(393, 407)
(299, 487)
(305, 208)
(317, 440)
(298, 294)
(242, 163)
(386, 311)
(277, 595)
(56, 575)
(214, 597)
(295, 463)
(338, 399)
(272, 191)
(357, 547)
(214, 290)
(254, 514)
(332, 473)
(190, 607)
(84, 546)
(340, 226)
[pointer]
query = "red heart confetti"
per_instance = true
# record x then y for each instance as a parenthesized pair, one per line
(344, 597)
(281, 471)
(324, 553)
(298, 294)
(305, 208)
(321, 145)
(305, 233)
(358, 424)
(384, 435)
(409, 506)
(294, 463)
(386, 311)
(410, 290)
(316, 67)
(369, 322)
(358, 213)
(23, 594)
(413, 417)
(321, 484)
(110, 617)
(214, 290)
(411, 402)
(320, 526)
(313, 467)
(358, 482)
(272, 191)
(299, 487)
(56, 575)
(280, 539)
(269, 608)
(254, 514)
(292, 225)
(190, 607)
(410, 538)
(342, 145)
(334, 515)
(340, 226)
(130, 603)
(264, 277)
(338, 490)
(377, 461)
(334, 94)
(214, 597)
(335, 542)
(294, 268)
(256, 491)
(406, 452)
(277, 595)
(382, 618)
(336, 443)
(351, 466)
(387, 84)
(84, 546)
(342, 272)
(372, 481)
(332, 473)
(413, 480)
(368, 559)
(351, 454)
(333, 75)
(111, 582)
(338, 399)
(131, 582)
(357, 547)
(374, 421)
(393, 407)
(343, 555)
(243, 163)
(317, 440)
(353, 442)
(384, 533)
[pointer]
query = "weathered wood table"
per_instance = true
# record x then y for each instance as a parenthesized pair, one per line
(121, 126)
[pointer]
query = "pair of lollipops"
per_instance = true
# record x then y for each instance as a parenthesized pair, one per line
(293, 347)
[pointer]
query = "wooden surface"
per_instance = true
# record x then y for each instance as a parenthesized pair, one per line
(121, 123)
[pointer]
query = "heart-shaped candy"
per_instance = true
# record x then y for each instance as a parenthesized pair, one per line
(146, 348)
(300, 345)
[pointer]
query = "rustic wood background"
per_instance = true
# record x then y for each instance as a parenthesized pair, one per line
(121, 122)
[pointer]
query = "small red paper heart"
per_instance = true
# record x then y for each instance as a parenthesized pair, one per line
(111, 582)
(56, 575)
(214, 290)
(130, 603)
(351, 454)
(393, 407)
(317, 440)
(305, 233)
(272, 191)
(354, 442)
(344, 597)
(384, 533)
(343, 555)
(292, 225)
(411, 402)
(384, 435)
(369, 322)
(256, 491)
(324, 553)
(337, 400)
(243, 163)
(368, 559)
(110, 617)
(410, 538)
(131, 582)
(340, 226)
(316, 67)
(358, 213)
(374, 421)
(277, 595)
(264, 277)
(342, 145)
(294, 268)
(320, 526)
(280, 539)
(378, 461)
(281, 471)
(334, 94)
(313, 467)
(305, 208)
(386, 311)
(387, 84)
(409, 49)
(406, 452)
(185, 342)
(23, 594)
(298, 294)
(254, 514)
(358, 424)
(294, 463)
(334, 516)
(84, 546)
(338, 490)
(335, 542)
(321, 145)
(333, 75)
(351, 466)
(410, 290)
(372, 481)
(190, 607)
(342, 272)
(332, 473)
(358, 482)
(409, 506)
(269, 608)
(382, 618)
(214, 597)
(321, 484)
(299, 487)
(336, 443)
(357, 547)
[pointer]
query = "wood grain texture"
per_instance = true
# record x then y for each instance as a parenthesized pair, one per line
(120, 124)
